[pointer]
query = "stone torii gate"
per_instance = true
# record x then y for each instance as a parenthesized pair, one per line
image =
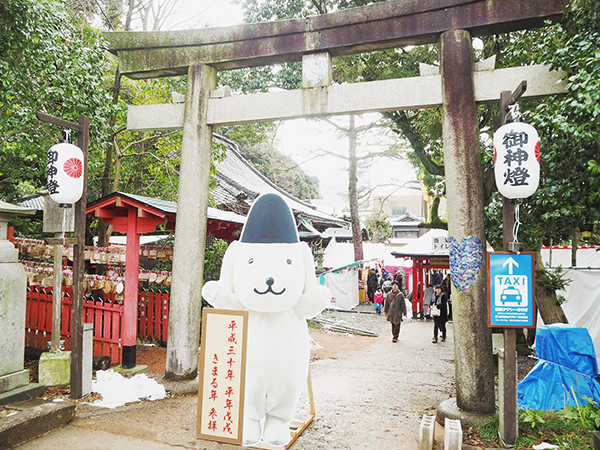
(314, 40)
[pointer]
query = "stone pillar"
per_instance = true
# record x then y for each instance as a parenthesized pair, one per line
(87, 359)
(190, 229)
(472, 337)
(13, 300)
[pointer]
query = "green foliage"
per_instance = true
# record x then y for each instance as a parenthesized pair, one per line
(532, 417)
(552, 279)
(488, 430)
(213, 259)
(28, 228)
(50, 64)
(564, 428)
(588, 414)
(378, 226)
(569, 192)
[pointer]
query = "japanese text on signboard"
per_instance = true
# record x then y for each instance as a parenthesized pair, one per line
(221, 393)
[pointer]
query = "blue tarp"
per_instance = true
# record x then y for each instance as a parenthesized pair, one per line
(565, 371)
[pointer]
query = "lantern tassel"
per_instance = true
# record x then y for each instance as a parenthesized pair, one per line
(517, 224)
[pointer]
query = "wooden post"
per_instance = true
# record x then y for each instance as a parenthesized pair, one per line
(510, 430)
(83, 139)
(464, 186)
(130, 310)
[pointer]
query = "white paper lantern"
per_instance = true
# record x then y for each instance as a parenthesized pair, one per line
(517, 160)
(65, 173)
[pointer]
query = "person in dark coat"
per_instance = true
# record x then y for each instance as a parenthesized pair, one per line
(395, 309)
(372, 284)
(439, 322)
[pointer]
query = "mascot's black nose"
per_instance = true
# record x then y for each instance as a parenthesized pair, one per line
(270, 281)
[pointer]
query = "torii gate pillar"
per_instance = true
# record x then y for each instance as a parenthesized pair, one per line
(190, 229)
(464, 189)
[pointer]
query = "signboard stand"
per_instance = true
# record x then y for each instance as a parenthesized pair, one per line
(511, 305)
(508, 405)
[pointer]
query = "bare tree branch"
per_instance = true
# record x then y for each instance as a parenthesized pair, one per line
(146, 139)
(162, 160)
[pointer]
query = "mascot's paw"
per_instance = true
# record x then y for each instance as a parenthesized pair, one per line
(277, 431)
(251, 433)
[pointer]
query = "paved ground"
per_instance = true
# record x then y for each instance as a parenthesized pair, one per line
(371, 395)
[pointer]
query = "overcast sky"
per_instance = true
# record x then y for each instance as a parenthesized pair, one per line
(301, 139)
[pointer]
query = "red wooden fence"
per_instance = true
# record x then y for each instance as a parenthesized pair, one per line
(105, 314)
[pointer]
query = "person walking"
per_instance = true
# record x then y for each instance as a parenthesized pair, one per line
(427, 297)
(439, 312)
(395, 309)
(372, 284)
(378, 300)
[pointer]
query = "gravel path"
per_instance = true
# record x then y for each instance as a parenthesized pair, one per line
(374, 398)
(369, 393)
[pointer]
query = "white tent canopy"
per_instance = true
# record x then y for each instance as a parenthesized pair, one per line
(340, 254)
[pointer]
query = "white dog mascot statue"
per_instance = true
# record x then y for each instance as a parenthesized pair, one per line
(271, 274)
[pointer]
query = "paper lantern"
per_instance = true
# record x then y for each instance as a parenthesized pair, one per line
(65, 173)
(517, 160)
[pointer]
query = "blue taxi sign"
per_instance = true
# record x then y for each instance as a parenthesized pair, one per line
(511, 290)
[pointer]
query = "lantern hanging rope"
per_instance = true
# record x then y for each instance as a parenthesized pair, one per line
(514, 113)
(517, 223)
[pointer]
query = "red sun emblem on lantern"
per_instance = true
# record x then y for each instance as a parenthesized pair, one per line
(73, 167)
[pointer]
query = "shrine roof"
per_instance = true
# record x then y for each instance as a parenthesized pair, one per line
(168, 207)
(237, 177)
(35, 201)
(8, 209)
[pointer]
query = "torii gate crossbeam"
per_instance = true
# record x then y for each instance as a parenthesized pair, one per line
(380, 26)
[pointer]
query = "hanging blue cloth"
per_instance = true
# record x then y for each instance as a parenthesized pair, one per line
(565, 372)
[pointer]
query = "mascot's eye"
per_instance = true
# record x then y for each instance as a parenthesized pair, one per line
(289, 261)
(251, 260)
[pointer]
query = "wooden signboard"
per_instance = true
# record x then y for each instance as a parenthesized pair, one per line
(222, 375)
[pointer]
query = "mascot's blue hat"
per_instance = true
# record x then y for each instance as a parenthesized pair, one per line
(270, 221)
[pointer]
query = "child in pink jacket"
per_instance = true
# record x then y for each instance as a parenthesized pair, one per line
(378, 300)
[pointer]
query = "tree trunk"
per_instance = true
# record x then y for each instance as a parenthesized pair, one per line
(353, 192)
(549, 308)
(106, 185)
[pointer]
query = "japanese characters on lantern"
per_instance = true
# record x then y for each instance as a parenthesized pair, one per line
(221, 391)
(65, 173)
(516, 160)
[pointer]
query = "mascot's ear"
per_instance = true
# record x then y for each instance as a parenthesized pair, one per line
(227, 266)
(309, 268)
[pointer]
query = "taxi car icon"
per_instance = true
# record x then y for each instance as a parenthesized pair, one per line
(510, 294)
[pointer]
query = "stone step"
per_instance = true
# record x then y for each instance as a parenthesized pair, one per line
(28, 391)
(32, 421)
